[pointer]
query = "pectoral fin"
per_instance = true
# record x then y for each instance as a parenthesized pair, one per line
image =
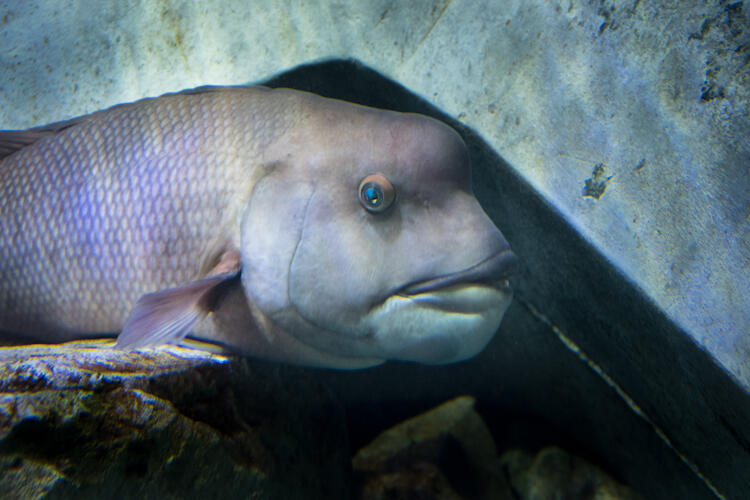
(166, 316)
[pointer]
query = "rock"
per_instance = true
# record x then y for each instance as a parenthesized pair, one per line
(79, 420)
(446, 453)
(555, 474)
(416, 480)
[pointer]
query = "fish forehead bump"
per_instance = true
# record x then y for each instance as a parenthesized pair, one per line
(432, 149)
(332, 135)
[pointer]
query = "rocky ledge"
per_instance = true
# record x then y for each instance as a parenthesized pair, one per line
(81, 420)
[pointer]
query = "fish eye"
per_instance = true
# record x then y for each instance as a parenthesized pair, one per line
(376, 193)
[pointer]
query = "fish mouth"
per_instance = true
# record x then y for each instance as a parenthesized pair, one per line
(444, 319)
(494, 271)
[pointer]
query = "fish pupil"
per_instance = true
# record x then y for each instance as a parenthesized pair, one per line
(373, 195)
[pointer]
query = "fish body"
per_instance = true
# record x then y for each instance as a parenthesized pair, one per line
(244, 216)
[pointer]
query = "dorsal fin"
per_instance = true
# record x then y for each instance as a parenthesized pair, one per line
(14, 140)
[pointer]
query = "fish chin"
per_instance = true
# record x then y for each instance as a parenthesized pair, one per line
(440, 326)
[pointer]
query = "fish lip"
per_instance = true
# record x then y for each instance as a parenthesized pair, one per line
(493, 271)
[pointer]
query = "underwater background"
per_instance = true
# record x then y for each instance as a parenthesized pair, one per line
(610, 142)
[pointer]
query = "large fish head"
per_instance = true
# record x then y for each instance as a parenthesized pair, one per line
(364, 238)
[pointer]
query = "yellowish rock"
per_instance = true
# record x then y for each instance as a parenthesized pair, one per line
(555, 474)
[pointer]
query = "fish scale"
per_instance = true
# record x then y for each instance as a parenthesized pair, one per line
(95, 216)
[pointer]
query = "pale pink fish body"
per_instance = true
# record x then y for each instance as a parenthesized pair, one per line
(127, 202)
(276, 222)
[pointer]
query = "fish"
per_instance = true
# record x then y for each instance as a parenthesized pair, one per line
(275, 223)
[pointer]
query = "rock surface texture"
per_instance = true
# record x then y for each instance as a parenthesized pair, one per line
(83, 421)
(554, 473)
(448, 453)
